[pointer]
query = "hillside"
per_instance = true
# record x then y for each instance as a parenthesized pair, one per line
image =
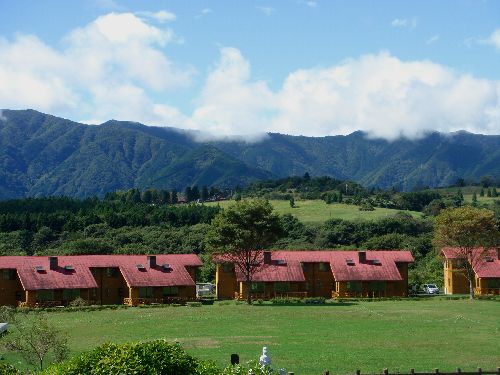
(46, 155)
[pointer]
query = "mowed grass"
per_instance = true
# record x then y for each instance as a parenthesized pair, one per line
(317, 211)
(370, 336)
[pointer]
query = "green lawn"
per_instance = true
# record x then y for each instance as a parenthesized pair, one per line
(317, 211)
(370, 336)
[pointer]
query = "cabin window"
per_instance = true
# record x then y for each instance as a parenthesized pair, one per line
(146, 292)
(354, 286)
(19, 296)
(9, 274)
(324, 267)
(305, 267)
(459, 263)
(257, 287)
(71, 294)
(281, 286)
(378, 286)
(227, 267)
(45, 295)
(170, 291)
(112, 272)
(493, 283)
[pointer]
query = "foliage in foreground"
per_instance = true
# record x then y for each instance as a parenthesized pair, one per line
(154, 357)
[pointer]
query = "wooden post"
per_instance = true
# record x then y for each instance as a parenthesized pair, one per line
(479, 371)
(327, 373)
(386, 371)
(235, 359)
(436, 371)
(458, 370)
(412, 371)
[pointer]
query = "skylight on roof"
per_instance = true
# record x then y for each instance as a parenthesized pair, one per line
(141, 267)
(349, 262)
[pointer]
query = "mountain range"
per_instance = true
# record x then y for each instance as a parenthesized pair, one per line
(42, 155)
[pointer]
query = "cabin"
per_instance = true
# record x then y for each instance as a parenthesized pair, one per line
(328, 274)
(486, 269)
(99, 279)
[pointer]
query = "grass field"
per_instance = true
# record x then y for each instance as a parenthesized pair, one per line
(370, 336)
(317, 211)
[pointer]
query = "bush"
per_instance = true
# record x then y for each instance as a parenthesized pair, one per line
(314, 300)
(251, 367)
(194, 304)
(8, 370)
(285, 301)
(78, 302)
(154, 357)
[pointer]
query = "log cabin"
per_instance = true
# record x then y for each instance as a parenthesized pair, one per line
(98, 279)
(328, 274)
(486, 272)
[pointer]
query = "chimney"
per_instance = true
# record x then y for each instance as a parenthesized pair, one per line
(267, 257)
(362, 256)
(152, 261)
(53, 264)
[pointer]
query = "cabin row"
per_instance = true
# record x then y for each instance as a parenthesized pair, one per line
(140, 279)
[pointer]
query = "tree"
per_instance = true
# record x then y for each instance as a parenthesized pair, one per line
(494, 192)
(240, 233)
(204, 193)
(33, 337)
(474, 199)
(472, 232)
(481, 193)
(292, 202)
(173, 197)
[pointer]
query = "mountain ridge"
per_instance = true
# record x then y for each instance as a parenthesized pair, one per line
(45, 155)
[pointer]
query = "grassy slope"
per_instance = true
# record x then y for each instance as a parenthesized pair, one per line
(317, 211)
(399, 335)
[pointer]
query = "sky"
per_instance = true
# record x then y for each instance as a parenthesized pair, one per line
(303, 67)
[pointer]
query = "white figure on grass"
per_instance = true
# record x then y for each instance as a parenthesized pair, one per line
(264, 359)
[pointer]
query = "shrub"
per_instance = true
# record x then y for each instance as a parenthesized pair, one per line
(194, 304)
(78, 302)
(154, 357)
(285, 301)
(314, 300)
(251, 367)
(8, 370)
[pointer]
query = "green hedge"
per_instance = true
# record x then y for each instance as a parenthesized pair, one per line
(154, 357)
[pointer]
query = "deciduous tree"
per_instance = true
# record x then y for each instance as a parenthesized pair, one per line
(241, 232)
(472, 232)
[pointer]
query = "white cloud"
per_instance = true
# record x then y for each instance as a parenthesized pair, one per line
(268, 11)
(433, 39)
(493, 39)
(379, 94)
(409, 23)
(108, 68)
(161, 16)
(204, 12)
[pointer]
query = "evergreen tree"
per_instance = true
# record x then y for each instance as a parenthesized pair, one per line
(340, 200)
(188, 194)
(195, 193)
(164, 197)
(173, 197)
(147, 196)
(292, 202)
(204, 193)
(481, 193)
(474, 199)
(494, 192)
(488, 193)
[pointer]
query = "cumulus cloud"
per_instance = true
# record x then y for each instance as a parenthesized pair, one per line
(409, 23)
(378, 93)
(109, 68)
(493, 39)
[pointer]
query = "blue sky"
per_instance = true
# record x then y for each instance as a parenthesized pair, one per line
(390, 68)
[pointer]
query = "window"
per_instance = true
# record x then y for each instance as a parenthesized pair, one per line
(94, 272)
(493, 283)
(324, 267)
(258, 287)
(71, 294)
(354, 286)
(378, 286)
(227, 267)
(146, 292)
(170, 291)
(45, 295)
(112, 272)
(281, 286)
(305, 267)
(9, 274)
(19, 296)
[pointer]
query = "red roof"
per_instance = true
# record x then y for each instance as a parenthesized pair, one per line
(487, 266)
(384, 269)
(80, 277)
